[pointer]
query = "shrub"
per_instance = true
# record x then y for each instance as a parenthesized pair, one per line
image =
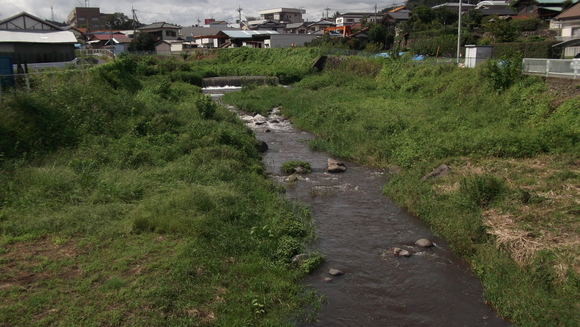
(481, 190)
(289, 166)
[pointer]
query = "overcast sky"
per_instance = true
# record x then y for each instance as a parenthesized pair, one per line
(185, 12)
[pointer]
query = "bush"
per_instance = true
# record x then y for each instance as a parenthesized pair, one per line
(481, 190)
(289, 166)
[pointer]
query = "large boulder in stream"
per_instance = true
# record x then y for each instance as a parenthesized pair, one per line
(261, 146)
(335, 166)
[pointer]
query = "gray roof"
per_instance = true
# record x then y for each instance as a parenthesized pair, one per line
(194, 31)
(37, 37)
(295, 25)
(398, 15)
(159, 25)
(238, 34)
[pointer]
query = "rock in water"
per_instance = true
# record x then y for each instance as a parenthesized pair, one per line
(335, 272)
(261, 146)
(424, 243)
(398, 252)
(335, 166)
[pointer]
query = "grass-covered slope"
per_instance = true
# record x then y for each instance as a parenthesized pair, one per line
(509, 206)
(130, 199)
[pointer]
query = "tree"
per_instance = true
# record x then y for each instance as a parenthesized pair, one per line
(142, 42)
(446, 16)
(336, 14)
(500, 29)
(377, 34)
(120, 21)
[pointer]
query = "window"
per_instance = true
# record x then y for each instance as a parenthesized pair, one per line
(95, 19)
(82, 19)
(350, 20)
(170, 33)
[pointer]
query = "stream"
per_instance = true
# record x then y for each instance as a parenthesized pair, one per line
(357, 227)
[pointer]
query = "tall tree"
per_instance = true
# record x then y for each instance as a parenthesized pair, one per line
(120, 21)
(142, 42)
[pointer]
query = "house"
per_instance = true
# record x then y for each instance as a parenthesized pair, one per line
(283, 15)
(169, 47)
(27, 38)
(568, 26)
(543, 9)
(269, 26)
(121, 44)
(188, 33)
(295, 28)
(320, 26)
(289, 40)
(250, 38)
(98, 40)
(351, 18)
(162, 31)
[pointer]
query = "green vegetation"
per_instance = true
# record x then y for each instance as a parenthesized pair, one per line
(289, 167)
(129, 198)
(508, 207)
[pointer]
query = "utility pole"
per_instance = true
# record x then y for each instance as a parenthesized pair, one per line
(52, 13)
(135, 20)
(459, 33)
(327, 10)
(375, 13)
(240, 9)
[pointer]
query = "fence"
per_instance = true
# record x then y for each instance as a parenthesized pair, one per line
(562, 68)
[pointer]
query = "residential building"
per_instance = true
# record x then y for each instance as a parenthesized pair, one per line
(319, 26)
(169, 47)
(90, 18)
(296, 28)
(162, 31)
(351, 18)
(543, 9)
(568, 26)
(29, 39)
(283, 15)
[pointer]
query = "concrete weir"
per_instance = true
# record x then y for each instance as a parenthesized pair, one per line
(238, 81)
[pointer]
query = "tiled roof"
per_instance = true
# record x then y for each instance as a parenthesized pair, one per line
(159, 25)
(572, 13)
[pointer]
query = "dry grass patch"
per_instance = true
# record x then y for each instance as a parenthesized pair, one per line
(540, 212)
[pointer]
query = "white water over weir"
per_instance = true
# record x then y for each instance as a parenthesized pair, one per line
(238, 81)
(358, 228)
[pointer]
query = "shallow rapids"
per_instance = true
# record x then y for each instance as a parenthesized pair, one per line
(357, 227)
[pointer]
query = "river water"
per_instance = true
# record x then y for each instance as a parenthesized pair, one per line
(357, 227)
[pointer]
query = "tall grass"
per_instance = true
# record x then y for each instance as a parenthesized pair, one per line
(132, 199)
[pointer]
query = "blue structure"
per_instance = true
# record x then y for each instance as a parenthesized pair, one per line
(6, 72)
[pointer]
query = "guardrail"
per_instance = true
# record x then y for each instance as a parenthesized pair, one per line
(95, 52)
(562, 68)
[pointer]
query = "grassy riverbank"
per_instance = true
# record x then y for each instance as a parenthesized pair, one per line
(128, 198)
(509, 206)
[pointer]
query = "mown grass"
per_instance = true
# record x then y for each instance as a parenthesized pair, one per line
(509, 205)
(131, 199)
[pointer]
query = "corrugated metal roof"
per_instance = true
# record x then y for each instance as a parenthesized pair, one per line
(246, 34)
(37, 37)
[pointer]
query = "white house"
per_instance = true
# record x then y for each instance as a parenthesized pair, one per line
(568, 26)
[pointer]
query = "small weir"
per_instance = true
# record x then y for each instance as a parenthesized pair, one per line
(358, 228)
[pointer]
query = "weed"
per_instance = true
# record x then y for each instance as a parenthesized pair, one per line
(289, 167)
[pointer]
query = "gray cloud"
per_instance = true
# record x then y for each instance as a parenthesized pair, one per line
(182, 12)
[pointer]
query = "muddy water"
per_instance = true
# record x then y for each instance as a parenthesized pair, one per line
(357, 226)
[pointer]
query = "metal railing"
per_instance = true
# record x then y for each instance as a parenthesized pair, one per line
(562, 68)
(95, 53)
